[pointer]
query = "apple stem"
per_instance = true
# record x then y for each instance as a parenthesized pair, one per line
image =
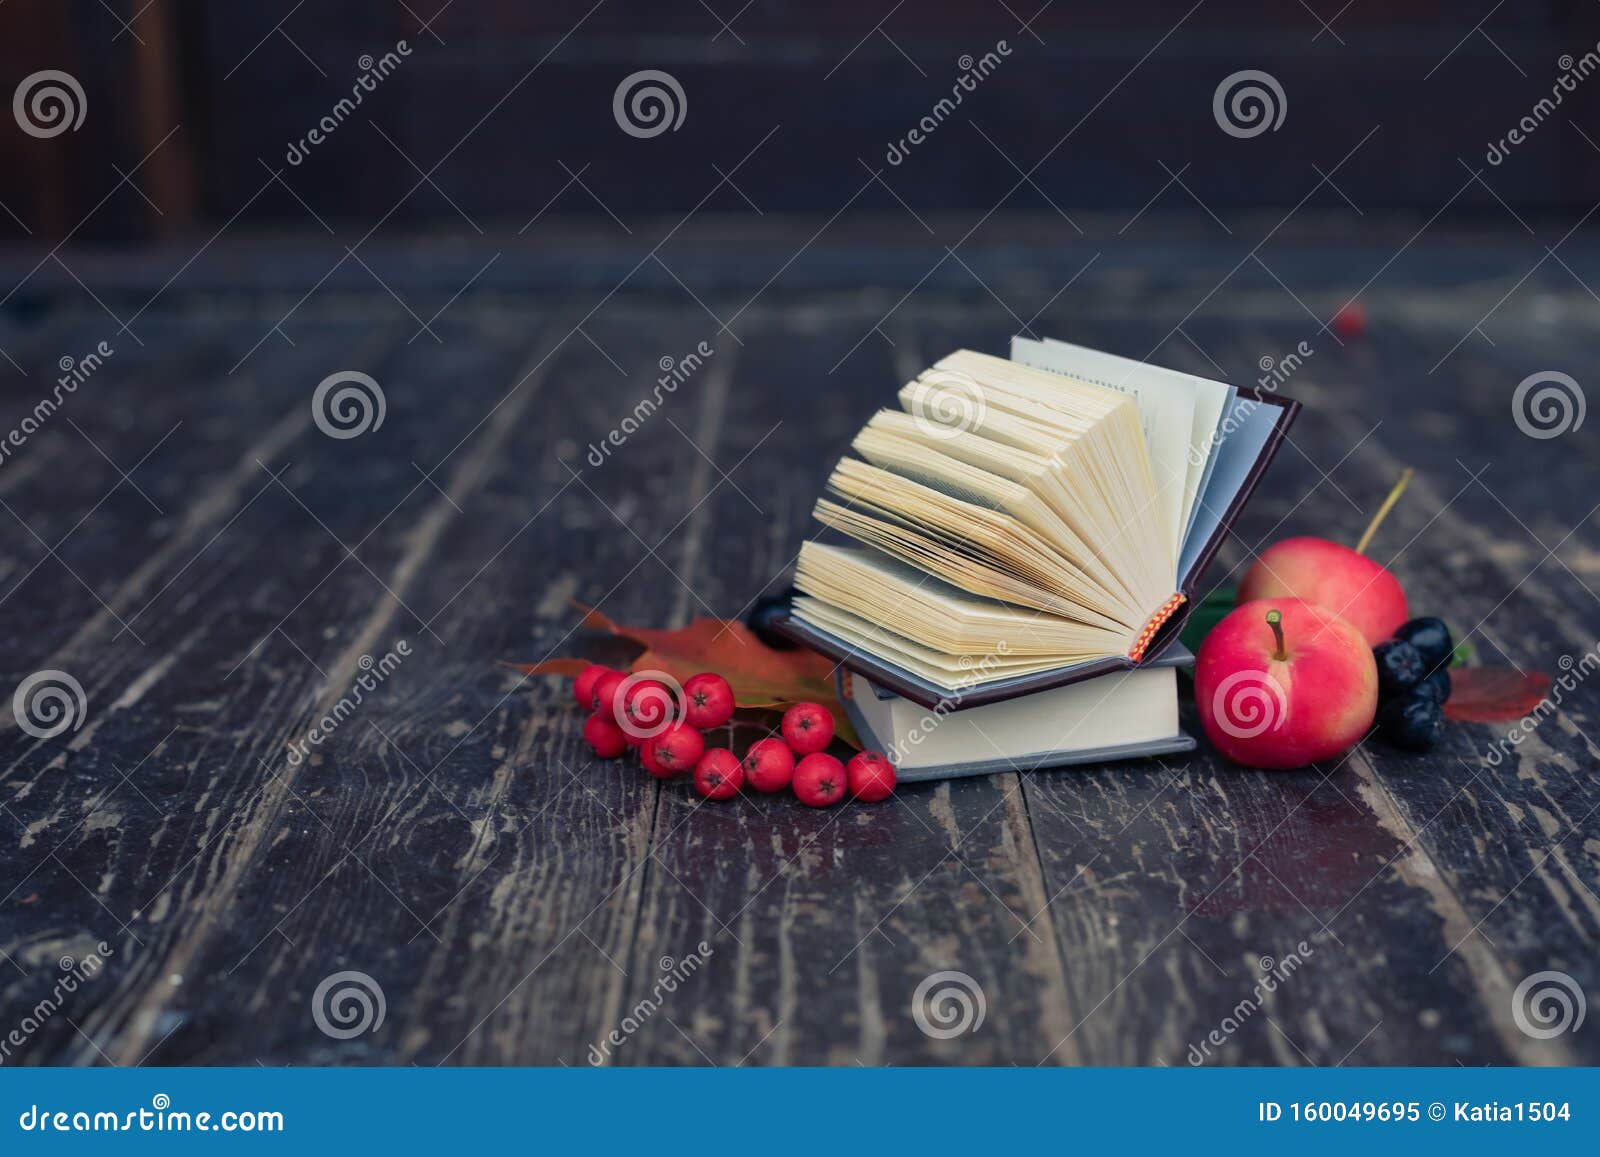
(1383, 511)
(1275, 621)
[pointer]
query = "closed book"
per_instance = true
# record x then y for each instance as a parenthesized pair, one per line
(1124, 715)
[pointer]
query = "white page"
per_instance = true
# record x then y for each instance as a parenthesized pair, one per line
(1210, 398)
(1247, 429)
(1207, 447)
(1166, 402)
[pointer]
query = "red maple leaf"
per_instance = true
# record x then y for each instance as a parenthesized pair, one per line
(1494, 694)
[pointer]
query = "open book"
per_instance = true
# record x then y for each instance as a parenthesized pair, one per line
(1027, 523)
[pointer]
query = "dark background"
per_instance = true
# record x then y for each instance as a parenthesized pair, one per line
(840, 80)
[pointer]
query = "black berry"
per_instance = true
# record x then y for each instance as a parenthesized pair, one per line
(1435, 687)
(1431, 638)
(1400, 667)
(1411, 723)
(764, 614)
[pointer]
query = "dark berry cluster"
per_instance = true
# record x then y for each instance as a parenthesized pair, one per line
(668, 733)
(1413, 683)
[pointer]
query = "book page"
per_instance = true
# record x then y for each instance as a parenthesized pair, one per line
(1210, 398)
(1166, 413)
(1241, 438)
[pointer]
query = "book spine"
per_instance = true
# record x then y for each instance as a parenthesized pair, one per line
(1168, 609)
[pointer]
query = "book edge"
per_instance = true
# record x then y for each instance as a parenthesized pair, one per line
(1187, 583)
(1182, 742)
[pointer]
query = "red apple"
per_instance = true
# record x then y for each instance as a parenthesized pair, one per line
(1283, 683)
(1335, 577)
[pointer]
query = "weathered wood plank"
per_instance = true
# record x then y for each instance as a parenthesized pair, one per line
(219, 710)
(85, 536)
(512, 858)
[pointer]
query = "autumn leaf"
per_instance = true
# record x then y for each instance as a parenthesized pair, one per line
(571, 668)
(1493, 694)
(761, 676)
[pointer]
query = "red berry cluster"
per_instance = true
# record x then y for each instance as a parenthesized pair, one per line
(625, 711)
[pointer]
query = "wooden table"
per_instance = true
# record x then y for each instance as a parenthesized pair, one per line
(216, 573)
